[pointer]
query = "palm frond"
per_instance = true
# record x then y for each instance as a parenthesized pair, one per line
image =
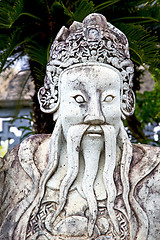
(105, 5)
(39, 74)
(9, 14)
(4, 39)
(12, 46)
(85, 7)
(30, 15)
(5, 8)
(17, 9)
(143, 46)
(136, 20)
(37, 53)
(67, 11)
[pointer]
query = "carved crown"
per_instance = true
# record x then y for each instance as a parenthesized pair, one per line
(93, 40)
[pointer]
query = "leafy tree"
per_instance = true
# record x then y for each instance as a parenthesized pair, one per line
(29, 27)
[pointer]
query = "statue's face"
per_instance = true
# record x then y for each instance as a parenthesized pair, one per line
(90, 95)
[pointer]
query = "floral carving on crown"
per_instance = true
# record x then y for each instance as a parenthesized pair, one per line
(94, 40)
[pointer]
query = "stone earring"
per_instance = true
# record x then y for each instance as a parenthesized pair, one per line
(128, 103)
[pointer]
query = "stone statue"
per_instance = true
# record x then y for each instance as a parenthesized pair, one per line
(86, 180)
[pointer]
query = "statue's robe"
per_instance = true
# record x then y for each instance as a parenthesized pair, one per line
(22, 185)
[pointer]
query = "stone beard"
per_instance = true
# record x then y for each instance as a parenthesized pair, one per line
(82, 139)
(89, 122)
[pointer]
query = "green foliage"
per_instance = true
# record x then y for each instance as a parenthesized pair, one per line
(143, 47)
(9, 13)
(37, 56)
(148, 106)
(81, 9)
(5, 8)
(17, 10)
(12, 48)
(84, 8)
(105, 4)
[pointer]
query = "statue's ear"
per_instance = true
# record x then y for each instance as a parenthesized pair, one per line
(128, 103)
(48, 100)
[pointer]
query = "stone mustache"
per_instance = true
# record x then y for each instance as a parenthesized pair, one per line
(86, 181)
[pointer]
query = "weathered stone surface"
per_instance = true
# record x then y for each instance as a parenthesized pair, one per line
(86, 181)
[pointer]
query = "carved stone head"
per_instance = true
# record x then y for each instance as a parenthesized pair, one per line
(95, 43)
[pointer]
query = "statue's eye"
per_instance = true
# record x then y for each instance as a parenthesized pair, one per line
(79, 99)
(108, 98)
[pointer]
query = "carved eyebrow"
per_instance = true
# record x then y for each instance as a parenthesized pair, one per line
(78, 83)
(109, 92)
(80, 87)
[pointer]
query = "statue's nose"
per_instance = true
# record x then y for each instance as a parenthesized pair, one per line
(92, 119)
(94, 115)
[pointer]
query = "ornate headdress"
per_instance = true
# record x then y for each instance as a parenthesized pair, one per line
(94, 40)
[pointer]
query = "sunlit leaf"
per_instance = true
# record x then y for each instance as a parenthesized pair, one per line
(4, 148)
